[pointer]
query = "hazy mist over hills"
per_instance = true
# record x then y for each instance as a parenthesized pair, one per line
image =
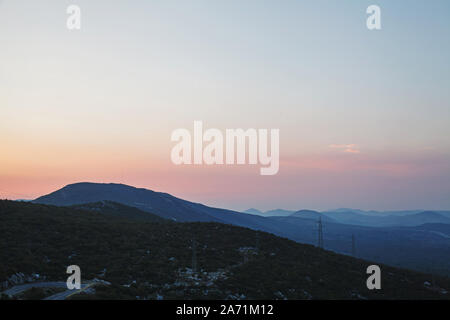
(365, 218)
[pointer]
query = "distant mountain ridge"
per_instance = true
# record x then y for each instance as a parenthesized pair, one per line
(270, 213)
(407, 218)
(158, 203)
(312, 215)
(253, 211)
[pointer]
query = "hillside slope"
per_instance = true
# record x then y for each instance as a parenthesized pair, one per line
(117, 210)
(147, 259)
(422, 250)
(161, 204)
(419, 248)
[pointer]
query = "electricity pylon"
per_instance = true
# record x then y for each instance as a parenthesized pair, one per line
(194, 255)
(320, 240)
(353, 246)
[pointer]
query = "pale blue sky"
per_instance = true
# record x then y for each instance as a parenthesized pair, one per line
(139, 69)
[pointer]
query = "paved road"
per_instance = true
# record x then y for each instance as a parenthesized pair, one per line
(59, 296)
(64, 295)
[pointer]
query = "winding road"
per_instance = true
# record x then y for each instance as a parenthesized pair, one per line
(58, 296)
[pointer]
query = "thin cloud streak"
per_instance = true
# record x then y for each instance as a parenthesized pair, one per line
(348, 148)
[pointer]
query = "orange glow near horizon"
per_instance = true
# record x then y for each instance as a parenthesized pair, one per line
(330, 175)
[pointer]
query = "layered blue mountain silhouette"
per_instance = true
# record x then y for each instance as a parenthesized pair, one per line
(414, 239)
(161, 204)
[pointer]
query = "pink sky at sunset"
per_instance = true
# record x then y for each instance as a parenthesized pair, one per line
(320, 181)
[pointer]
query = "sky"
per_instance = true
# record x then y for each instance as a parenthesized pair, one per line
(364, 116)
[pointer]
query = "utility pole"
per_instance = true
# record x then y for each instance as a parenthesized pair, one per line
(353, 246)
(320, 240)
(194, 255)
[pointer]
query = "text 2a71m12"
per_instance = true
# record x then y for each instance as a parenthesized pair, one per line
(246, 309)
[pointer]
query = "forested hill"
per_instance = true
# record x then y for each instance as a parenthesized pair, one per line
(150, 259)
